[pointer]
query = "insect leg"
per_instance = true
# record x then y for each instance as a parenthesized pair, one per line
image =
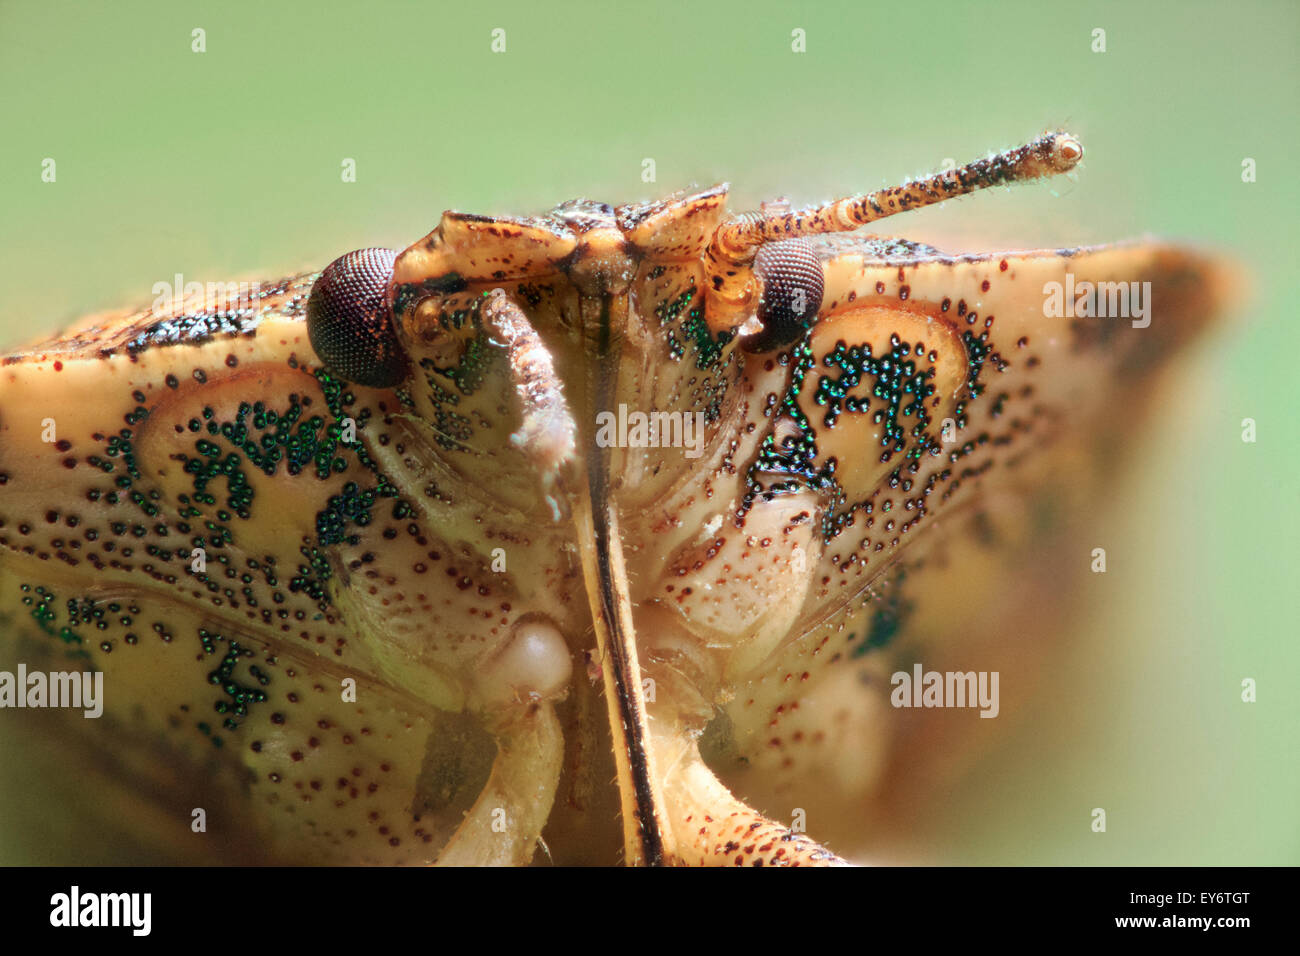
(505, 823)
(709, 826)
(515, 692)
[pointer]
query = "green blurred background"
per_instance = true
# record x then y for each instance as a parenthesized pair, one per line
(227, 164)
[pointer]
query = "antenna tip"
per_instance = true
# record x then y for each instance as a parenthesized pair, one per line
(1066, 152)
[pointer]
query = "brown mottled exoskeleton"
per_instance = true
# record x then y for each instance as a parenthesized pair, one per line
(408, 560)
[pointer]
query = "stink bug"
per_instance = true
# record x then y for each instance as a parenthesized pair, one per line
(406, 560)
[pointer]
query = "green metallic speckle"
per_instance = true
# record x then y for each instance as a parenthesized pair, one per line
(240, 696)
(887, 619)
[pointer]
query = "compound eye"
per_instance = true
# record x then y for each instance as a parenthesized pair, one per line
(793, 284)
(348, 323)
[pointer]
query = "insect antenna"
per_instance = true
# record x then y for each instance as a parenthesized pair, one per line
(737, 238)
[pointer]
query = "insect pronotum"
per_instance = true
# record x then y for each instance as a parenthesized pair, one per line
(358, 552)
